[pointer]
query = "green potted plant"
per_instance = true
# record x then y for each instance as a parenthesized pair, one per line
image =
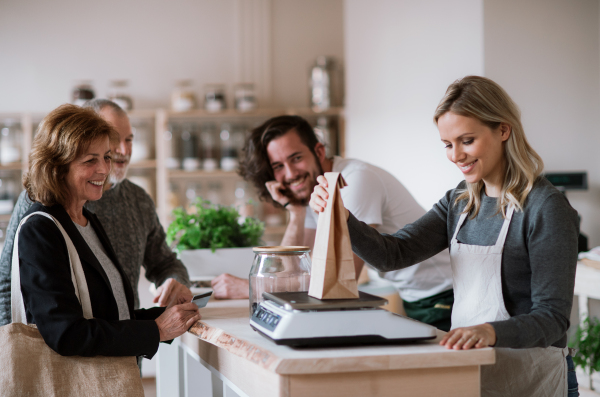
(214, 239)
(587, 342)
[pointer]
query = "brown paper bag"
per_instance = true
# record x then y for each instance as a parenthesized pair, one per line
(332, 275)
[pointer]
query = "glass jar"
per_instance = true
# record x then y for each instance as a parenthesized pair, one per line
(183, 98)
(229, 158)
(245, 97)
(82, 92)
(208, 140)
(278, 269)
(141, 147)
(190, 160)
(325, 84)
(10, 142)
(171, 137)
(117, 92)
(214, 98)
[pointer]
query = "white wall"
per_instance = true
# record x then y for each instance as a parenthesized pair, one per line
(546, 54)
(400, 57)
(45, 46)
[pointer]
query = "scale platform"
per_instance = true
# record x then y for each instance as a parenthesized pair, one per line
(298, 320)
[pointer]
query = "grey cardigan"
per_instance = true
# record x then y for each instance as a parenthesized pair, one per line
(538, 261)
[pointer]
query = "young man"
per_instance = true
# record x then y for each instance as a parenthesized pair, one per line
(283, 159)
(129, 217)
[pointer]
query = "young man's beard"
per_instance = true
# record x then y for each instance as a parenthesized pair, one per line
(295, 200)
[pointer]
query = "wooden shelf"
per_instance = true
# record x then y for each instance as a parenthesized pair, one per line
(4, 217)
(182, 174)
(143, 164)
(12, 167)
(262, 113)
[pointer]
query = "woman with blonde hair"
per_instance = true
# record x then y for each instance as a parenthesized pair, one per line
(513, 245)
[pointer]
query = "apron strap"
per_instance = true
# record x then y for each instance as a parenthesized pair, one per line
(461, 220)
(77, 275)
(505, 226)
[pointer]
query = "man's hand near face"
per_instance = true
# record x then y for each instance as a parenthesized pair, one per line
(227, 286)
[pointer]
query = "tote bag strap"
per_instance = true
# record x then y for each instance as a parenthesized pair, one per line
(77, 275)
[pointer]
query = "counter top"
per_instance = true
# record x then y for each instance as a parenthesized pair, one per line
(225, 324)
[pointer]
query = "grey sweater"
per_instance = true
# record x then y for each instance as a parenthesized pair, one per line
(129, 218)
(538, 261)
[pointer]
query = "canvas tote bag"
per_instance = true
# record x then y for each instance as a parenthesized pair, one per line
(29, 367)
(332, 275)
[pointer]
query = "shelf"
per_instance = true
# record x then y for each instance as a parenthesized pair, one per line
(181, 174)
(12, 167)
(141, 113)
(142, 164)
(232, 113)
(4, 217)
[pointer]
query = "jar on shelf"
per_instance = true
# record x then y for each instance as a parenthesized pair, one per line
(208, 143)
(190, 160)
(323, 133)
(183, 98)
(82, 92)
(229, 154)
(118, 93)
(141, 147)
(171, 143)
(214, 98)
(278, 269)
(245, 97)
(10, 142)
(8, 193)
(325, 84)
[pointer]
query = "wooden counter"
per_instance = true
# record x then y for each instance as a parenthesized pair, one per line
(251, 365)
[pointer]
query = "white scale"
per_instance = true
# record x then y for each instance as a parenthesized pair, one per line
(298, 320)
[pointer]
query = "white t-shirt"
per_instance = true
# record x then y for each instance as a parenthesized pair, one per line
(375, 197)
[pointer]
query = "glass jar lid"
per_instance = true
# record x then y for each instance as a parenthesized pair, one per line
(280, 249)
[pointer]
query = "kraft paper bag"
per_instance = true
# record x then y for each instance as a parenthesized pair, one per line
(332, 275)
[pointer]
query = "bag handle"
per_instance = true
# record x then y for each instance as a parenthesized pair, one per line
(77, 275)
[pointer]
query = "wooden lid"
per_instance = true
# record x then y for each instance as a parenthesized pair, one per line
(281, 249)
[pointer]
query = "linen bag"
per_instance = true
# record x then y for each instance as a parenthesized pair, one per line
(29, 367)
(332, 275)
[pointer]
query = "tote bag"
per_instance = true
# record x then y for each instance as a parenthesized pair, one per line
(29, 367)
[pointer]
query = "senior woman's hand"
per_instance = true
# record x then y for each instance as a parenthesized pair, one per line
(172, 292)
(176, 320)
(478, 336)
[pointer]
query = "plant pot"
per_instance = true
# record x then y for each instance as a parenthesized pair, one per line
(205, 263)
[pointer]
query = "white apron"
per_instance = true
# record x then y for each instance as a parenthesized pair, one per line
(477, 300)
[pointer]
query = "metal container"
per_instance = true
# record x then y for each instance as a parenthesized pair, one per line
(278, 269)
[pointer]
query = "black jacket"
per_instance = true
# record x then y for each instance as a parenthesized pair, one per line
(50, 299)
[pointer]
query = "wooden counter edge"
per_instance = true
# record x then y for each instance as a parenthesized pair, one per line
(268, 360)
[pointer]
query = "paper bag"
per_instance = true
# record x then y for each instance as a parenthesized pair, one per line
(332, 275)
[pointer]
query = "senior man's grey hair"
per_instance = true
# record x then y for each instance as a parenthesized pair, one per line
(98, 104)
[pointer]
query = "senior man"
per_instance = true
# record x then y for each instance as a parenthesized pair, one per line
(129, 217)
(283, 159)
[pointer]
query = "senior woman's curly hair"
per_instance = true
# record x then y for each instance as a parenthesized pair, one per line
(255, 166)
(62, 136)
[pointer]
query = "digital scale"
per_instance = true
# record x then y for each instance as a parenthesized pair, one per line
(299, 320)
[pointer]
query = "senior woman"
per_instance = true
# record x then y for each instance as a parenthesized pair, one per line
(68, 165)
(512, 239)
